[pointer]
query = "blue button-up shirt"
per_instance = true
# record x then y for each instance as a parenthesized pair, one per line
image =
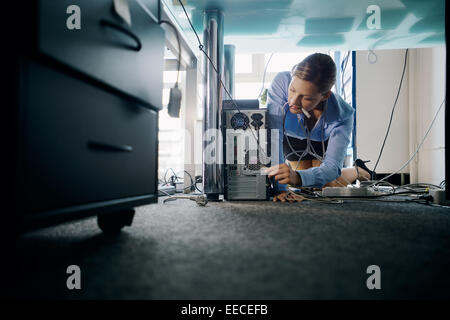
(335, 124)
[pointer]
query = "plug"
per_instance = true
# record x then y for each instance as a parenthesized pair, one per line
(271, 185)
(174, 102)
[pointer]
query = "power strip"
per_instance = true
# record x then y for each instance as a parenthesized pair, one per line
(346, 192)
(166, 190)
(179, 186)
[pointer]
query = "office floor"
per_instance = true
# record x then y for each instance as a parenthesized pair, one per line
(245, 250)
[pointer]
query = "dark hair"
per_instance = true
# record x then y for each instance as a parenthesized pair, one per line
(318, 68)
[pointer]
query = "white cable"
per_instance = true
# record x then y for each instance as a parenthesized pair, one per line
(309, 148)
(264, 75)
(165, 193)
(312, 152)
(421, 184)
(417, 150)
(371, 57)
(300, 197)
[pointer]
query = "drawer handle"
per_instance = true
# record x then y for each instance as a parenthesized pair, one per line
(112, 25)
(109, 147)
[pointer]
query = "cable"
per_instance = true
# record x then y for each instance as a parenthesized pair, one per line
(201, 47)
(264, 75)
(174, 175)
(200, 200)
(393, 186)
(343, 68)
(380, 198)
(376, 200)
(179, 47)
(172, 180)
(309, 147)
(371, 57)
(417, 150)
(294, 196)
(428, 203)
(200, 43)
(423, 187)
(198, 179)
(192, 182)
(175, 96)
(418, 185)
(168, 194)
(393, 109)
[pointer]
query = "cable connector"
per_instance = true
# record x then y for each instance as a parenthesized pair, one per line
(200, 200)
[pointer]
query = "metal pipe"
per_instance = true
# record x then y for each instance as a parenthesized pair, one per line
(229, 54)
(212, 105)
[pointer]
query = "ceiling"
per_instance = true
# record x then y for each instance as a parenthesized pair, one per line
(303, 25)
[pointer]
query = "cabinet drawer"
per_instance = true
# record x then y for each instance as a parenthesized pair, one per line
(104, 52)
(82, 144)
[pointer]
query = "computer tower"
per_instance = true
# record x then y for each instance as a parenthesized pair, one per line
(246, 149)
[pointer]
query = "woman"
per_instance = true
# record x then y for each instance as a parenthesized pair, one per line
(301, 105)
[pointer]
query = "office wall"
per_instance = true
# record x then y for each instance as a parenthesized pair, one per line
(376, 88)
(422, 92)
(427, 91)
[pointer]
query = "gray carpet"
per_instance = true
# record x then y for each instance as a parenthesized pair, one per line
(245, 250)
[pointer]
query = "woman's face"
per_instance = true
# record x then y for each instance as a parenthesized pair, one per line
(304, 94)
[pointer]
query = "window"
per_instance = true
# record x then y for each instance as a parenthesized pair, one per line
(243, 63)
(247, 90)
(284, 61)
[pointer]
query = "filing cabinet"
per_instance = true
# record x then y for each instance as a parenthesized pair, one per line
(85, 109)
(106, 47)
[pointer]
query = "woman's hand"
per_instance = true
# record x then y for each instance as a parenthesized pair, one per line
(284, 196)
(281, 197)
(284, 174)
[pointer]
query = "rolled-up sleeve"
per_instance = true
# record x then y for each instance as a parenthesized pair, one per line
(276, 98)
(330, 169)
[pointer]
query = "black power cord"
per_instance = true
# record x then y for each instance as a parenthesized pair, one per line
(174, 178)
(174, 105)
(393, 109)
(198, 179)
(177, 35)
(202, 49)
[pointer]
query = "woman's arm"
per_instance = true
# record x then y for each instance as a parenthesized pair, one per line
(330, 169)
(276, 98)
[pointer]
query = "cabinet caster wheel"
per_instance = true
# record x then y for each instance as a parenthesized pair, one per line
(113, 222)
